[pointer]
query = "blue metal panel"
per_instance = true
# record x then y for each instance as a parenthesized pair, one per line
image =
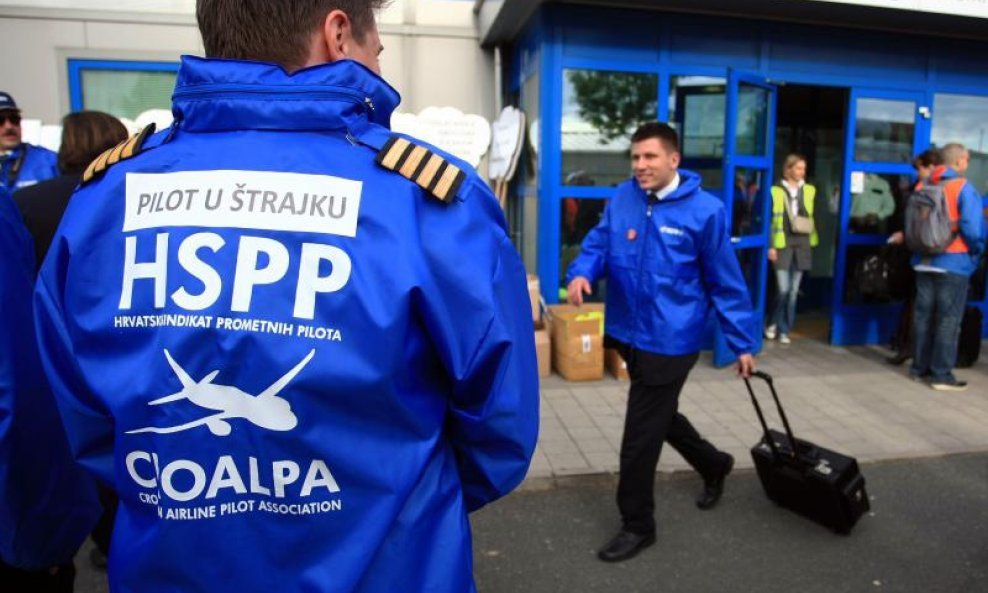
(550, 161)
(707, 42)
(586, 191)
(609, 65)
(525, 59)
(764, 162)
(857, 57)
(581, 35)
(961, 64)
(865, 324)
(76, 67)
(871, 324)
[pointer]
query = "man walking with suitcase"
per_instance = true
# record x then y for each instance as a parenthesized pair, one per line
(664, 244)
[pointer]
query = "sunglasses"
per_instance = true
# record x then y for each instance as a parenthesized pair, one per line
(13, 118)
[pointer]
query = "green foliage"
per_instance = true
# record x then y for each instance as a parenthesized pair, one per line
(614, 102)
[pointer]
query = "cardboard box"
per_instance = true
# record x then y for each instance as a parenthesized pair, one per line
(534, 294)
(543, 349)
(577, 335)
(615, 364)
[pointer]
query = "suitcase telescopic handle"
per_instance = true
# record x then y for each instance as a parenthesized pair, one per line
(761, 417)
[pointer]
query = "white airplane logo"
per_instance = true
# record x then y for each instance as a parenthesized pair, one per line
(266, 410)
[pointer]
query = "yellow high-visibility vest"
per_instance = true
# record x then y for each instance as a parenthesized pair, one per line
(779, 197)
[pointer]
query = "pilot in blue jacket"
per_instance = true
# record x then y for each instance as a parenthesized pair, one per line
(298, 345)
(47, 503)
(22, 164)
(664, 246)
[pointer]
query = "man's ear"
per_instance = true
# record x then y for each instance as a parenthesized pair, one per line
(337, 35)
(677, 157)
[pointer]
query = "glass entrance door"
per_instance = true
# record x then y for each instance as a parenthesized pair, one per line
(885, 129)
(749, 139)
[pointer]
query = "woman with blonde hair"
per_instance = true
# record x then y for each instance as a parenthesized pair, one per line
(793, 236)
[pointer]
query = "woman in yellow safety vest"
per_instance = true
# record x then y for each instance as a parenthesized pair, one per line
(793, 235)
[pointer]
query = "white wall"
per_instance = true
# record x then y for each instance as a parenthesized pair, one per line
(432, 54)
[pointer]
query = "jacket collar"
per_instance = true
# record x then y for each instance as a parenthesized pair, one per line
(689, 184)
(214, 95)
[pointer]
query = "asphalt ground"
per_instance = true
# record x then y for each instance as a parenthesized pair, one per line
(927, 532)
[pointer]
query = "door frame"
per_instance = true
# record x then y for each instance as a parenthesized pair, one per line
(757, 242)
(868, 323)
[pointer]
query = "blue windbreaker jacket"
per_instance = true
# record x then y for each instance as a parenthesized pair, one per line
(47, 503)
(665, 265)
(38, 164)
(299, 370)
(971, 229)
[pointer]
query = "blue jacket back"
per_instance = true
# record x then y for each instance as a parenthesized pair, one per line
(299, 370)
(26, 165)
(666, 264)
(47, 503)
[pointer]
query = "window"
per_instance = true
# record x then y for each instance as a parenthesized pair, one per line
(120, 88)
(578, 216)
(751, 136)
(878, 202)
(964, 119)
(749, 202)
(697, 108)
(884, 131)
(600, 112)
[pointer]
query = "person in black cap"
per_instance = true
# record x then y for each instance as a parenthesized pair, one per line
(23, 164)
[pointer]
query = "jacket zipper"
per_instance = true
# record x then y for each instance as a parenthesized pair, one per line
(641, 266)
(309, 91)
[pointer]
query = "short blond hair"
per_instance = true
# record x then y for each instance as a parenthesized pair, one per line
(792, 160)
(952, 153)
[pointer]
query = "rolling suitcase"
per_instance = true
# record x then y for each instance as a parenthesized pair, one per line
(820, 484)
(969, 338)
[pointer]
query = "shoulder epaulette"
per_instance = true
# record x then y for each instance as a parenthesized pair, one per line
(129, 148)
(430, 171)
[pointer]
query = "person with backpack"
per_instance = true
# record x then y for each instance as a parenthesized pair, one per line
(925, 164)
(793, 236)
(943, 229)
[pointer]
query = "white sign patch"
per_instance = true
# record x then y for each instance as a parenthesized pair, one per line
(263, 200)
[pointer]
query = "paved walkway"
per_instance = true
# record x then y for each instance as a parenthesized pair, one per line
(847, 399)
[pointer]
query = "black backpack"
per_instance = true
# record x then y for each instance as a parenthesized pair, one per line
(874, 277)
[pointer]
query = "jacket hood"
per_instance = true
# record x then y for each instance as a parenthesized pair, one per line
(215, 95)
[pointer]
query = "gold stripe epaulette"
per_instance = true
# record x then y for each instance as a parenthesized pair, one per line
(430, 171)
(129, 148)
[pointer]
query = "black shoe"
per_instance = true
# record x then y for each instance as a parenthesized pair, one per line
(949, 385)
(625, 545)
(898, 359)
(713, 489)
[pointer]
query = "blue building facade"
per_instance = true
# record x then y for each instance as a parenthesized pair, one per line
(858, 102)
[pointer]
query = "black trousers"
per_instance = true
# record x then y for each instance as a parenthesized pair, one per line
(103, 530)
(15, 580)
(653, 417)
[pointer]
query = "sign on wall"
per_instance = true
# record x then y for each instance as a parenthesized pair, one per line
(508, 138)
(463, 135)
